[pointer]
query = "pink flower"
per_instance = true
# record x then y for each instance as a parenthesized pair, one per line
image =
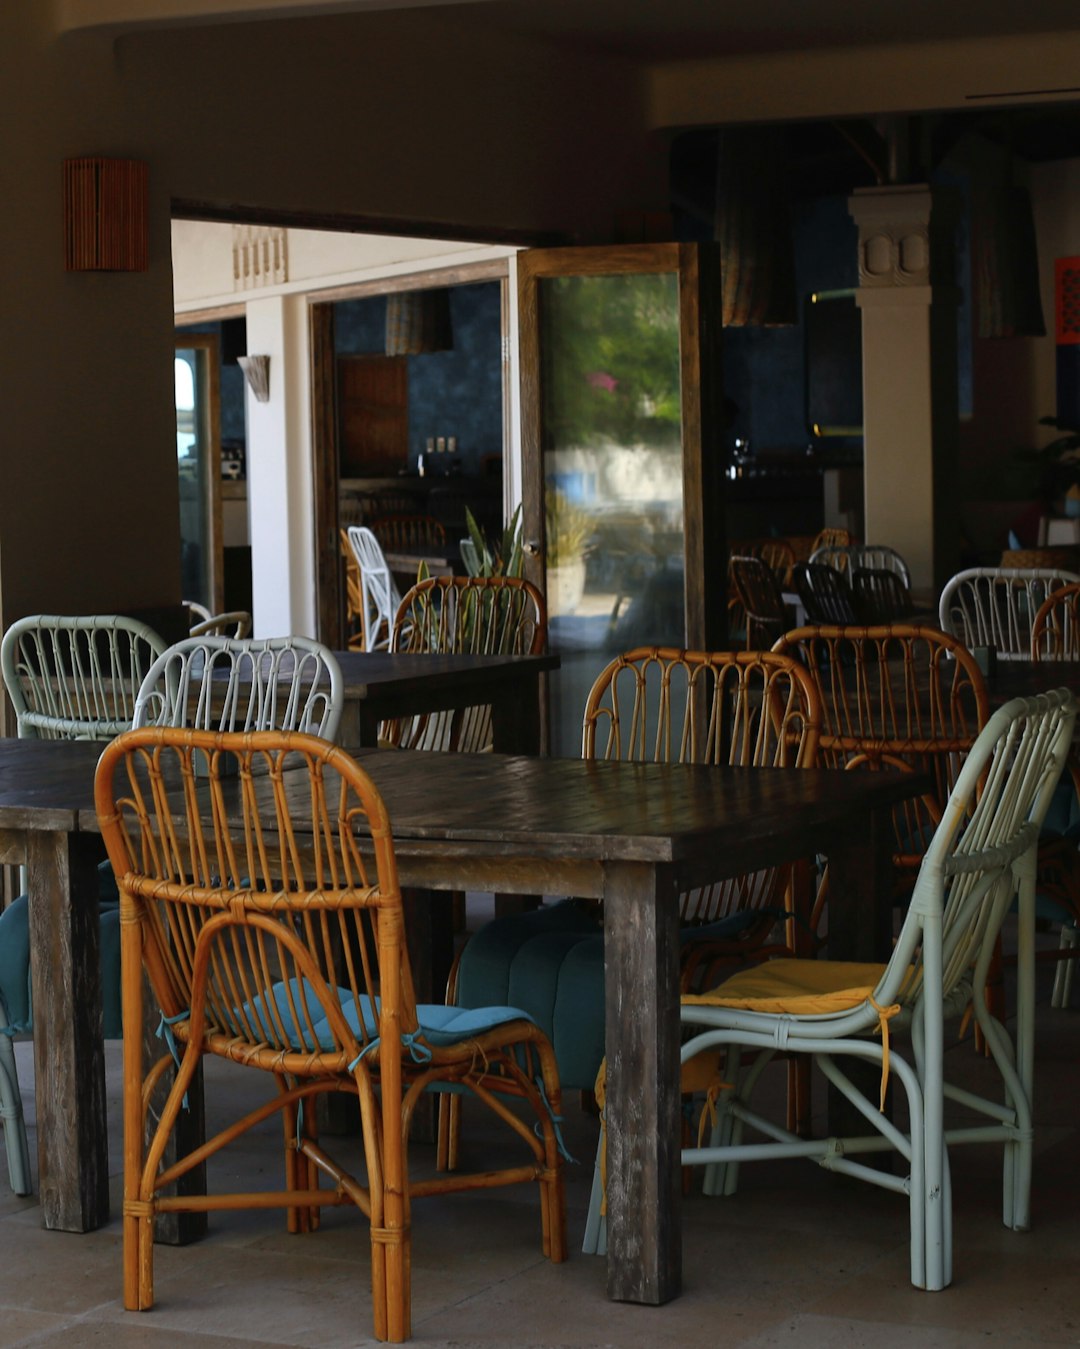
(599, 380)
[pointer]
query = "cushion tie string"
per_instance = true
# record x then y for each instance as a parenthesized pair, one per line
(164, 1032)
(884, 1016)
(413, 1041)
(556, 1120)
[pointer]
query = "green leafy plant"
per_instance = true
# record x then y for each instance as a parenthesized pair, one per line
(505, 560)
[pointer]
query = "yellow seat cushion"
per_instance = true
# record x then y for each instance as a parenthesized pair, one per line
(794, 987)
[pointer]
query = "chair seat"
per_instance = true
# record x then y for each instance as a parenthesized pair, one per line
(440, 1025)
(795, 987)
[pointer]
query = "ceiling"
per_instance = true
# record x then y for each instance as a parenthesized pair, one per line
(663, 30)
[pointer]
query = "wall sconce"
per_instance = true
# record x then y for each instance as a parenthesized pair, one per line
(106, 215)
(257, 373)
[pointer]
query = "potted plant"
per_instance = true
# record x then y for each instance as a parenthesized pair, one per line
(568, 530)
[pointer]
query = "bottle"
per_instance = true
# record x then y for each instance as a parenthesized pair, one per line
(420, 465)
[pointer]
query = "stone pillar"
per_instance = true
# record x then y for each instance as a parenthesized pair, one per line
(909, 354)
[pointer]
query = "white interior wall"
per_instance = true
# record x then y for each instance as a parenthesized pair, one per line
(279, 438)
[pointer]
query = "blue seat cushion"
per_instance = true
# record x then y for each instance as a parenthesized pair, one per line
(15, 967)
(440, 1026)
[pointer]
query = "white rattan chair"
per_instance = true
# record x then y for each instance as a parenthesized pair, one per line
(379, 596)
(996, 606)
(244, 684)
(982, 855)
(234, 623)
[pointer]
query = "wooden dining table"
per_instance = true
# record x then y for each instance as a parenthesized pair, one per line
(633, 836)
(383, 684)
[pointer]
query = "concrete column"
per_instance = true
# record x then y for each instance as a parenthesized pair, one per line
(909, 349)
(279, 471)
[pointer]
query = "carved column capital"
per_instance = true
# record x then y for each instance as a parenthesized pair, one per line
(894, 235)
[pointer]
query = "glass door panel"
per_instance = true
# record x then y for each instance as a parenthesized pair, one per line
(612, 476)
(198, 457)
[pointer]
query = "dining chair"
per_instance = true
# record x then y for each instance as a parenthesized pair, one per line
(981, 856)
(996, 607)
(378, 596)
(777, 553)
(656, 704)
(832, 536)
(244, 684)
(76, 677)
(271, 932)
(825, 593)
(68, 678)
(1055, 636)
(880, 557)
(403, 533)
(835, 555)
(478, 615)
(895, 697)
(880, 595)
(762, 601)
(232, 623)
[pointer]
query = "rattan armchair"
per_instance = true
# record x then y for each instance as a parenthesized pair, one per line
(825, 593)
(265, 912)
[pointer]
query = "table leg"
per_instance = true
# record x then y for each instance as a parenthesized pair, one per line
(641, 970)
(69, 1059)
(515, 717)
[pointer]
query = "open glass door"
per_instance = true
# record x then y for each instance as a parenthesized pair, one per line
(621, 456)
(198, 464)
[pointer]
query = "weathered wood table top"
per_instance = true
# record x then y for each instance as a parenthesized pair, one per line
(632, 835)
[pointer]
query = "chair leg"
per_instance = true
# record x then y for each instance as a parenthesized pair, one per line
(18, 1151)
(595, 1242)
(1070, 938)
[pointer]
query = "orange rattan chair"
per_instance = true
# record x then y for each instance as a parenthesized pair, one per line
(663, 705)
(754, 709)
(265, 912)
(895, 697)
(481, 615)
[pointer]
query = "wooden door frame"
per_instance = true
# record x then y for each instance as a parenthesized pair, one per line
(211, 344)
(697, 266)
(324, 429)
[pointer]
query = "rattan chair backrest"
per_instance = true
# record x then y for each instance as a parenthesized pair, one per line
(76, 678)
(825, 593)
(244, 684)
(880, 595)
(900, 697)
(233, 623)
(758, 591)
(402, 533)
(996, 606)
(748, 708)
(1055, 634)
(478, 615)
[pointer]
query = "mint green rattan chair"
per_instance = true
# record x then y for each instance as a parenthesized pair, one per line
(68, 678)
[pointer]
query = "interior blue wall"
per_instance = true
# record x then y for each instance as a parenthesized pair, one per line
(765, 368)
(451, 393)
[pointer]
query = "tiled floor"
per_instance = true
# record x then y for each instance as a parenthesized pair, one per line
(798, 1258)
